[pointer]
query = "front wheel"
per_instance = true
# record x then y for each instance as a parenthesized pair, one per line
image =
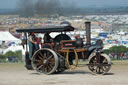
(99, 68)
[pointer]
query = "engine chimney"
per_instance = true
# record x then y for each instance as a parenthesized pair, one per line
(88, 32)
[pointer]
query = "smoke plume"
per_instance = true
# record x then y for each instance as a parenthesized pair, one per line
(46, 7)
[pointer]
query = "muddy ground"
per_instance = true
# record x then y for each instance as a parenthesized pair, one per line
(16, 74)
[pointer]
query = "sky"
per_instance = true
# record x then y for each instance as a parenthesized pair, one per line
(8, 4)
(80, 3)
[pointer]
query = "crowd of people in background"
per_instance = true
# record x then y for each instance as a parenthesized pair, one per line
(119, 56)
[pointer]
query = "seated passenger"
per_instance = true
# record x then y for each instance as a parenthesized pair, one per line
(47, 38)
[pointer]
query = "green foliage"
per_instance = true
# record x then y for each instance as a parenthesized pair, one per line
(107, 51)
(2, 56)
(9, 53)
(18, 54)
(116, 49)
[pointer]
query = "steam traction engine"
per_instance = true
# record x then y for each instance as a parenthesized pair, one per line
(64, 53)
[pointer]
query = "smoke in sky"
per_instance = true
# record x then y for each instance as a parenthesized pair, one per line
(46, 7)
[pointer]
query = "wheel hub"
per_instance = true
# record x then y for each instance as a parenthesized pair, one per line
(45, 61)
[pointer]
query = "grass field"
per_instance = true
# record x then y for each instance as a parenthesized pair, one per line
(120, 62)
(114, 62)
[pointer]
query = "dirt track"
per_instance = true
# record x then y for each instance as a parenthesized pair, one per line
(16, 74)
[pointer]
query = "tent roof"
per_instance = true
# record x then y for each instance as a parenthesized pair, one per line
(6, 36)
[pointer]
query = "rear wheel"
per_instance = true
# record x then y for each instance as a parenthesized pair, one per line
(45, 61)
(99, 68)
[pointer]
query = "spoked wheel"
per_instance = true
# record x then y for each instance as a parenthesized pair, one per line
(45, 61)
(99, 68)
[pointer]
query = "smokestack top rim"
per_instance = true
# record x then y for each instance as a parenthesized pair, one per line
(87, 22)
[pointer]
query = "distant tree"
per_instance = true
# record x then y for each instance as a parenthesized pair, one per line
(118, 49)
(2, 56)
(17, 54)
(9, 53)
(107, 51)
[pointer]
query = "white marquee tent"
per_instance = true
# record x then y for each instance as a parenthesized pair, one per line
(8, 37)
